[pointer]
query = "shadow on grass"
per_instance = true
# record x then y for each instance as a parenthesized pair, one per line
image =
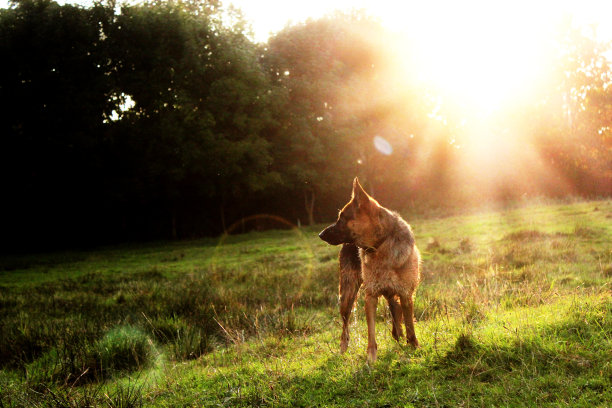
(559, 362)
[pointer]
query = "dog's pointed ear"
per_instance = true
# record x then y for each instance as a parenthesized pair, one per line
(359, 195)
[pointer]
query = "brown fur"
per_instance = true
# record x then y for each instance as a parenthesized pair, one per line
(378, 253)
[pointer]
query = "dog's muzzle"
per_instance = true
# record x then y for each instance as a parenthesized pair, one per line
(332, 235)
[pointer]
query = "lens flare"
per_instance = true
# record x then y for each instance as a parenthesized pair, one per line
(382, 145)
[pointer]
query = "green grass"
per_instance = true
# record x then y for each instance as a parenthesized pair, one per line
(515, 309)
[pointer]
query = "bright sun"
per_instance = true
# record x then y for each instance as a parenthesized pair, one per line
(480, 54)
(484, 54)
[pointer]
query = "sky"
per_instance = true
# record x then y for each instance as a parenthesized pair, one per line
(413, 16)
(269, 16)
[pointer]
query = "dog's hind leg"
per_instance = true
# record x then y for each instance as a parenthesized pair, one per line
(348, 292)
(350, 282)
(396, 316)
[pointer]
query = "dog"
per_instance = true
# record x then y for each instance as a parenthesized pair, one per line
(379, 253)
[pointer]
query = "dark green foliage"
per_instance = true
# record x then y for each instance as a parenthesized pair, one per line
(164, 120)
(54, 74)
(191, 142)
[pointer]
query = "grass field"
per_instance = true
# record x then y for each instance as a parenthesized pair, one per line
(515, 309)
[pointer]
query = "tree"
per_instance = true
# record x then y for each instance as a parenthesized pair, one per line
(341, 92)
(575, 120)
(201, 105)
(54, 81)
(139, 124)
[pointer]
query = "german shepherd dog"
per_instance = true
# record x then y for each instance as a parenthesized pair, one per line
(378, 252)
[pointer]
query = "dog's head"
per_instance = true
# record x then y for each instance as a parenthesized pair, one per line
(357, 222)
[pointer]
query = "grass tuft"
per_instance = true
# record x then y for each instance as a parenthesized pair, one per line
(525, 235)
(128, 395)
(433, 245)
(584, 231)
(124, 348)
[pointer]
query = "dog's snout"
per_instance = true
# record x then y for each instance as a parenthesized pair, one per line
(325, 235)
(333, 235)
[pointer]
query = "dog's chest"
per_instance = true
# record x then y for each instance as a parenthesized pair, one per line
(379, 277)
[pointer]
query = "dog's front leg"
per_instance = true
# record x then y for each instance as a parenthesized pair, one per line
(370, 310)
(408, 309)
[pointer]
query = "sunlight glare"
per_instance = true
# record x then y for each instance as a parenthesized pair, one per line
(478, 55)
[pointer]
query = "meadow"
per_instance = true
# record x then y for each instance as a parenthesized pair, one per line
(514, 309)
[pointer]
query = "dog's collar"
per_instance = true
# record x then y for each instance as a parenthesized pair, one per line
(372, 249)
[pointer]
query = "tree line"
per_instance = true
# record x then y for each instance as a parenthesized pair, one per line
(164, 120)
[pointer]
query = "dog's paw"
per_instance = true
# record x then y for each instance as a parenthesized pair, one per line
(371, 355)
(413, 342)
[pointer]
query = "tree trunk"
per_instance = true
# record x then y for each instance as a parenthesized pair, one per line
(222, 210)
(309, 200)
(174, 234)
